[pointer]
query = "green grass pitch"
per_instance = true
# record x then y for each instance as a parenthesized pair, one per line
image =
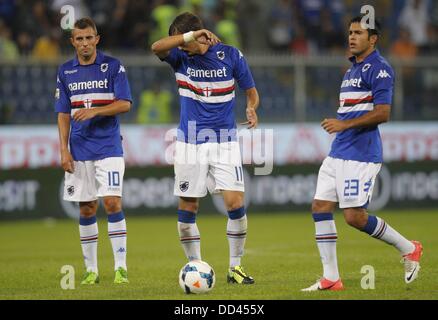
(281, 254)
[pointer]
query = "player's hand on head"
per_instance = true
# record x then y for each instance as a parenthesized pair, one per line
(84, 114)
(252, 118)
(67, 161)
(333, 125)
(205, 36)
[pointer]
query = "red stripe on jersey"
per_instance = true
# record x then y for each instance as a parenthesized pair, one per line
(199, 90)
(223, 89)
(80, 103)
(188, 85)
(358, 101)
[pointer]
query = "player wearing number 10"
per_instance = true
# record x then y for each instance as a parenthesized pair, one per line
(92, 89)
(348, 174)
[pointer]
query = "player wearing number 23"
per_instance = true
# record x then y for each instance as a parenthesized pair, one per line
(348, 174)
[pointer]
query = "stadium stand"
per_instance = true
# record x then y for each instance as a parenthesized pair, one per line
(27, 80)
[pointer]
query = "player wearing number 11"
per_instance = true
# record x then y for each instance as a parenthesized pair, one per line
(92, 89)
(348, 174)
(207, 154)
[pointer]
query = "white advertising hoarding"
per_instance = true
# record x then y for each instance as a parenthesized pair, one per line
(38, 146)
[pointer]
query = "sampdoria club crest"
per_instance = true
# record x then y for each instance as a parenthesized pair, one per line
(104, 67)
(183, 186)
(220, 55)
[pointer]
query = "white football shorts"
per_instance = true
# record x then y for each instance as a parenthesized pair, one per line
(206, 167)
(93, 179)
(348, 182)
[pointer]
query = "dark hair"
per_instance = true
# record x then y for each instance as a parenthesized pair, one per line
(377, 27)
(185, 22)
(84, 23)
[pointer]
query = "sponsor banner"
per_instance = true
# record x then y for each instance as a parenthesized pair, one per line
(38, 146)
(148, 191)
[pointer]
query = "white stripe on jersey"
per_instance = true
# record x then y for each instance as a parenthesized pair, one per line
(354, 95)
(365, 106)
(201, 84)
(92, 96)
(211, 99)
(358, 107)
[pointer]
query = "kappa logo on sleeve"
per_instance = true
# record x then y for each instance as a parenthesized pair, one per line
(383, 74)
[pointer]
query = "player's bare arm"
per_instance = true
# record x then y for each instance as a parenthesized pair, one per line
(67, 162)
(380, 114)
(252, 103)
(119, 106)
(162, 47)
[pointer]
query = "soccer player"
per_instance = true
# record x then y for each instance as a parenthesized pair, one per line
(207, 155)
(92, 89)
(348, 174)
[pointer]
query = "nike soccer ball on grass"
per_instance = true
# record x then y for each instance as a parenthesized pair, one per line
(197, 277)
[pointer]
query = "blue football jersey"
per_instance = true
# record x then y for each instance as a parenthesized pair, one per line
(206, 86)
(365, 85)
(92, 86)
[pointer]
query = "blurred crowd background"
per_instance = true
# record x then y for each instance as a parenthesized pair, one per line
(32, 27)
(30, 31)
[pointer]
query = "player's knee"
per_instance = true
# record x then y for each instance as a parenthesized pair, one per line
(315, 206)
(112, 204)
(186, 204)
(234, 205)
(192, 207)
(322, 206)
(88, 209)
(350, 220)
(355, 218)
(233, 200)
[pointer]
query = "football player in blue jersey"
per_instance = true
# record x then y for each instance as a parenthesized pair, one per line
(92, 89)
(207, 154)
(348, 174)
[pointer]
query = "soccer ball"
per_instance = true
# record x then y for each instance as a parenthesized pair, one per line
(197, 277)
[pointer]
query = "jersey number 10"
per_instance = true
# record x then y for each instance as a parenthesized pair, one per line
(113, 178)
